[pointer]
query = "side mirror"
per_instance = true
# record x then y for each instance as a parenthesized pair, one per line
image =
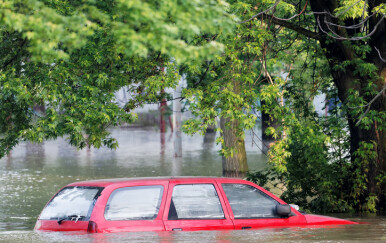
(283, 210)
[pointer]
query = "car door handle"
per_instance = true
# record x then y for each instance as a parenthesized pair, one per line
(246, 227)
(177, 229)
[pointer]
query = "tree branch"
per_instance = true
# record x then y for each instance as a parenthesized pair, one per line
(261, 13)
(338, 37)
(23, 42)
(296, 15)
(380, 56)
(203, 75)
(368, 105)
(298, 29)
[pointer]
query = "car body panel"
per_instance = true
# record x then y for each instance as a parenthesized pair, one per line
(313, 219)
(296, 219)
(196, 224)
(162, 223)
(108, 226)
(52, 225)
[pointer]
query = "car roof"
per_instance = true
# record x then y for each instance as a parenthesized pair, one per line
(191, 179)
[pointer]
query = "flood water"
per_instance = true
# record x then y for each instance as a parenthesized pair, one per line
(32, 173)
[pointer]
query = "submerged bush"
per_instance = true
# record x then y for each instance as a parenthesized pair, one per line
(311, 167)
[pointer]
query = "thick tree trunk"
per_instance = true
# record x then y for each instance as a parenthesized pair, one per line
(375, 166)
(344, 82)
(338, 52)
(235, 166)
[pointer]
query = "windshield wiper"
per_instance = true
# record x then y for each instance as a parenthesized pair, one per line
(71, 217)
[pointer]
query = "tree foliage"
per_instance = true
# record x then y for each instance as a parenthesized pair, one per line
(335, 163)
(225, 88)
(70, 57)
(284, 53)
(242, 58)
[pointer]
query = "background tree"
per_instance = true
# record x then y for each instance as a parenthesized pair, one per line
(225, 89)
(351, 36)
(71, 56)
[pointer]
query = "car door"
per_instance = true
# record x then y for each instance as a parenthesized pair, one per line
(195, 206)
(135, 207)
(251, 207)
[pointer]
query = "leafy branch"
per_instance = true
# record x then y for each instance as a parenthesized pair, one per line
(368, 105)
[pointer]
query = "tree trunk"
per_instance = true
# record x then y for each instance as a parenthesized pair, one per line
(346, 81)
(266, 122)
(338, 52)
(177, 115)
(210, 134)
(375, 166)
(236, 165)
(162, 124)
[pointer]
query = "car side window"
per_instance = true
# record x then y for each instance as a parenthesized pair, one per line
(134, 203)
(249, 202)
(197, 201)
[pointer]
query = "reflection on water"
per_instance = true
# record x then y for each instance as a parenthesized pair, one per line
(372, 232)
(32, 173)
(34, 155)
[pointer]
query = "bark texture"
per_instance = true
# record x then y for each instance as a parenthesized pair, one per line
(235, 166)
(338, 51)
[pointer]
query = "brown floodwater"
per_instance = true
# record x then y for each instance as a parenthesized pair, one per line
(32, 173)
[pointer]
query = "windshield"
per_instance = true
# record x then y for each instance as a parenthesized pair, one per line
(71, 201)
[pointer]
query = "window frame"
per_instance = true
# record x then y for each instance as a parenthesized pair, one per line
(218, 193)
(260, 191)
(90, 209)
(159, 206)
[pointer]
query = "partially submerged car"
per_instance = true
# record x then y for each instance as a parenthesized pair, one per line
(170, 204)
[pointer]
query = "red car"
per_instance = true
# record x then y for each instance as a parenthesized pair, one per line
(170, 204)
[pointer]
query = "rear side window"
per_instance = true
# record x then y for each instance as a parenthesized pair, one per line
(249, 202)
(72, 201)
(198, 201)
(134, 203)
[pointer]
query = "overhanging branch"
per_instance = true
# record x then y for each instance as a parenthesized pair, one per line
(368, 105)
(294, 27)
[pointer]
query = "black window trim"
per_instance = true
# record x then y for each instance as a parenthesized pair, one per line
(143, 219)
(265, 194)
(218, 196)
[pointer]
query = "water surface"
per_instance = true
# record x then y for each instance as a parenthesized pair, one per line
(32, 173)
